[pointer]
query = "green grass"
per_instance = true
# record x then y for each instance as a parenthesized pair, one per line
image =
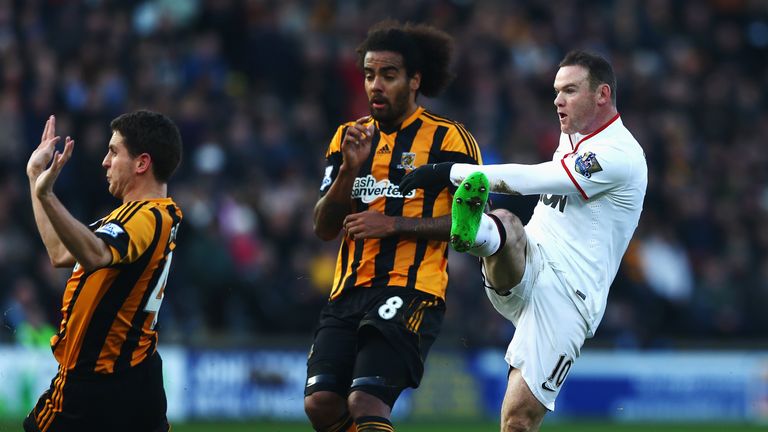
(459, 427)
(480, 427)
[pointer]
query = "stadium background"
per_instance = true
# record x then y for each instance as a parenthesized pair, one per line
(257, 88)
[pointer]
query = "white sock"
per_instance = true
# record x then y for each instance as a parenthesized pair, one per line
(488, 238)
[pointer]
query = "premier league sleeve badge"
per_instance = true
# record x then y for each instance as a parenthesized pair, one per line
(586, 164)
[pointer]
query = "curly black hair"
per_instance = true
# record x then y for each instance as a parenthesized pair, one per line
(150, 132)
(424, 48)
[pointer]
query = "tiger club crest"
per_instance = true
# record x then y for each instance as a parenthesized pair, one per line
(407, 160)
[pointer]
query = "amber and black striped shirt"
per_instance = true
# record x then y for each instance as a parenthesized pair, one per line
(398, 261)
(108, 315)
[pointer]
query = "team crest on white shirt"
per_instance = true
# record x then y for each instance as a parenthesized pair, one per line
(587, 164)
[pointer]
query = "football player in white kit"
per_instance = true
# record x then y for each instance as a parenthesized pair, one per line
(551, 277)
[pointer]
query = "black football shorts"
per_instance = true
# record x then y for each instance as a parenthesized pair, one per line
(371, 338)
(131, 400)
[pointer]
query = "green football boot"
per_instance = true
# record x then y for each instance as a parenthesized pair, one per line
(467, 210)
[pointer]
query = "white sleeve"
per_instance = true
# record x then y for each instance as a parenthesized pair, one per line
(517, 179)
(586, 173)
(598, 169)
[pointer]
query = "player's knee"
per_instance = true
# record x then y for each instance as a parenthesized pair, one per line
(323, 408)
(514, 228)
(518, 422)
(363, 404)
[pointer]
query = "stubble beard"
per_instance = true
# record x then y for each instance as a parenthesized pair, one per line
(393, 112)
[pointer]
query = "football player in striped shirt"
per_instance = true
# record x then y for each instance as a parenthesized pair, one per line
(110, 374)
(387, 301)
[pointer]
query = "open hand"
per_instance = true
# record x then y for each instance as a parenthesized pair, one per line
(44, 153)
(430, 176)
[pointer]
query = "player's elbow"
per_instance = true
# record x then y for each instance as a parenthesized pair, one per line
(60, 258)
(90, 265)
(62, 261)
(323, 233)
(93, 261)
(328, 218)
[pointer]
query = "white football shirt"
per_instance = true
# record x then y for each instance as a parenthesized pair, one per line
(592, 195)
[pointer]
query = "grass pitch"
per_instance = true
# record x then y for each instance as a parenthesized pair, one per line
(481, 427)
(558, 426)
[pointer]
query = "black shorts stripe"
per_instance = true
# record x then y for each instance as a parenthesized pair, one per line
(152, 345)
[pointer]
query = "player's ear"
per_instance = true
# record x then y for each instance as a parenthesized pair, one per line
(603, 94)
(143, 162)
(415, 81)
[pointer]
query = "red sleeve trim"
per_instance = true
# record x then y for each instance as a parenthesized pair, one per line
(581, 191)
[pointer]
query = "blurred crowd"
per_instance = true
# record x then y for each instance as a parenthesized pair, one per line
(257, 88)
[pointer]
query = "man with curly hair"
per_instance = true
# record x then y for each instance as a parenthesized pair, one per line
(387, 301)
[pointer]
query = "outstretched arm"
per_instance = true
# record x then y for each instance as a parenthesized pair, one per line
(517, 179)
(511, 179)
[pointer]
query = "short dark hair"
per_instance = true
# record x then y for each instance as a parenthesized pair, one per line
(424, 49)
(599, 69)
(153, 133)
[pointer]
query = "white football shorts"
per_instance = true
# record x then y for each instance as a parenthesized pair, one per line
(549, 330)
